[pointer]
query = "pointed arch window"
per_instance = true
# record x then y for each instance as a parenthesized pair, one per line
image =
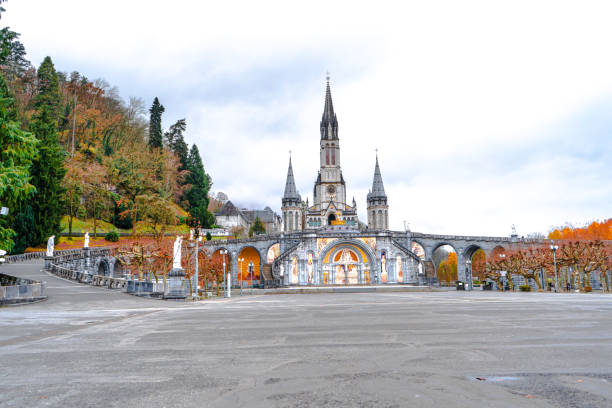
(333, 156)
(327, 156)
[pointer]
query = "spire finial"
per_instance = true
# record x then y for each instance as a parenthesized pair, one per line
(327, 76)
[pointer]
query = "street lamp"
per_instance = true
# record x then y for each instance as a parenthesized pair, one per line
(554, 248)
(503, 273)
(240, 261)
(223, 252)
(251, 271)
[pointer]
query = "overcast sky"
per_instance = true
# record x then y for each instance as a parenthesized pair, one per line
(484, 113)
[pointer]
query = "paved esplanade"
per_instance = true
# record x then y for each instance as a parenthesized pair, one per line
(88, 346)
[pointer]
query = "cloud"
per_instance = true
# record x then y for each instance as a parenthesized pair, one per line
(484, 114)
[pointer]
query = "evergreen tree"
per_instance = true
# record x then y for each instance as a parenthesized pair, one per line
(17, 150)
(257, 228)
(48, 168)
(24, 228)
(176, 141)
(198, 194)
(155, 125)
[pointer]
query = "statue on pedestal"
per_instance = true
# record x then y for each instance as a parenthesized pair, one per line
(176, 253)
(86, 242)
(191, 234)
(50, 245)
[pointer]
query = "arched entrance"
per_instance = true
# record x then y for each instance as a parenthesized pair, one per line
(331, 218)
(444, 258)
(347, 263)
(249, 268)
(104, 268)
(475, 262)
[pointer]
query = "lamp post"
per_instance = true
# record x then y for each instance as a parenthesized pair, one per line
(251, 271)
(554, 248)
(503, 273)
(240, 261)
(197, 268)
(223, 252)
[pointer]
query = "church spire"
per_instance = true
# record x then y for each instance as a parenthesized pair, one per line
(378, 189)
(290, 189)
(329, 122)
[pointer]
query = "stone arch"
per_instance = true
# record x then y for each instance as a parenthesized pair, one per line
(472, 269)
(470, 250)
(437, 246)
(331, 218)
(499, 249)
(274, 250)
(419, 249)
(104, 268)
(367, 261)
(227, 257)
(250, 254)
(118, 269)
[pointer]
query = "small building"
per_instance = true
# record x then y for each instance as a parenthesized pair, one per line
(230, 217)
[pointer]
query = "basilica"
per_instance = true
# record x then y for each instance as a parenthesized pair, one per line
(324, 242)
(330, 206)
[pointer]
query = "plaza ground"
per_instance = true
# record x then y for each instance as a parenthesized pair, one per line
(90, 347)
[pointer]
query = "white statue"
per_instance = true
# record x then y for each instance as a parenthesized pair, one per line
(50, 245)
(191, 234)
(420, 268)
(86, 243)
(176, 253)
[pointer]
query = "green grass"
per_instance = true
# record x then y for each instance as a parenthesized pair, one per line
(83, 226)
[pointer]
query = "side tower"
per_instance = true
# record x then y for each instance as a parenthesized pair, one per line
(292, 204)
(378, 210)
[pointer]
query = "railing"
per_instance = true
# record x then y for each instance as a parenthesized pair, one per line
(83, 277)
(19, 290)
(35, 255)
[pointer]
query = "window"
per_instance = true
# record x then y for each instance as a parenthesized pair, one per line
(327, 156)
(334, 156)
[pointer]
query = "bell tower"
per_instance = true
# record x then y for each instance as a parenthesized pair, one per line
(330, 186)
(378, 209)
(291, 204)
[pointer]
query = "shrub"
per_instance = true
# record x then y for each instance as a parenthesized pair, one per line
(208, 236)
(112, 236)
(525, 288)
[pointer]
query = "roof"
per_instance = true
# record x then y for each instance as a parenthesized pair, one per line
(228, 210)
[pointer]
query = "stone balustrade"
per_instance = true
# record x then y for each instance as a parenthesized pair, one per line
(18, 290)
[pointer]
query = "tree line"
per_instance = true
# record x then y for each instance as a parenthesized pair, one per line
(574, 261)
(72, 147)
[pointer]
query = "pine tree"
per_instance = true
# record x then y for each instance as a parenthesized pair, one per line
(198, 194)
(48, 168)
(176, 141)
(17, 150)
(155, 125)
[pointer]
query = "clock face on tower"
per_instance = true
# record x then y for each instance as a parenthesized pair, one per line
(331, 190)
